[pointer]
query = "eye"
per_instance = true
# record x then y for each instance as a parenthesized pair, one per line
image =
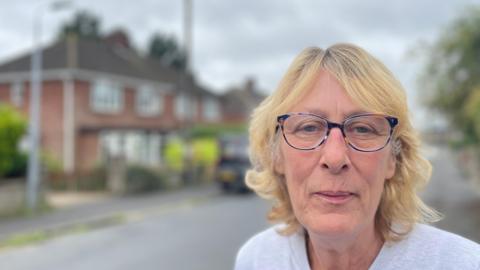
(309, 128)
(363, 129)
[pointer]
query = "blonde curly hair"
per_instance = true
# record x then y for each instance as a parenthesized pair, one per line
(369, 83)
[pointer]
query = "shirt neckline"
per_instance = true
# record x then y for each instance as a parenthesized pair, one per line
(298, 248)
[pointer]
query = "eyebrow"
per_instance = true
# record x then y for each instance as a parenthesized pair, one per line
(345, 116)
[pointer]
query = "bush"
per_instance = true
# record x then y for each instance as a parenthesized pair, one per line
(173, 153)
(205, 152)
(19, 166)
(215, 130)
(12, 128)
(141, 179)
(93, 180)
(87, 181)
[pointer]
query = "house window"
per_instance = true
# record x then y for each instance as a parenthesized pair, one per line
(141, 147)
(181, 106)
(193, 110)
(211, 111)
(111, 143)
(155, 149)
(17, 93)
(148, 101)
(136, 146)
(106, 97)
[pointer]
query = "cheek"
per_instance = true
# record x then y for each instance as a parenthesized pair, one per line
(373, 169)
(375, 165)
(296, 165)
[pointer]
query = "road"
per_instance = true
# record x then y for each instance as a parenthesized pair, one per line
(203, 236)
(453, 196)
(207, 234)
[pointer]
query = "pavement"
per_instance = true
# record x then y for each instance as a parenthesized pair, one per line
(75, 210)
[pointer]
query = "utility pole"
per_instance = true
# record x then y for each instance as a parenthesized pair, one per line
(34, 172)
(185, 83)
(187, 33)
(188, 43)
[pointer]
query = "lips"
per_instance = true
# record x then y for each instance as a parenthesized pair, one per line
(335, 197)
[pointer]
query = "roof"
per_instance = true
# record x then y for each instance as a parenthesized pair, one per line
(100, 56)
(241, 100)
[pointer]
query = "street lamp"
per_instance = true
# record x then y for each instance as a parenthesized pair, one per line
(33, 174)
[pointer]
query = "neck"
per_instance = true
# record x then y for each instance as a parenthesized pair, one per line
(347, 252)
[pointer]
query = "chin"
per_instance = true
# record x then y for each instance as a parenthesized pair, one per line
(331, 225)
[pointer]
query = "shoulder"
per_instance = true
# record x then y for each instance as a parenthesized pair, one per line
(270, 250)
(446, 243)
(427, 247)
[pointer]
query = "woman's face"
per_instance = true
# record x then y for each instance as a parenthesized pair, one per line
(334, 189)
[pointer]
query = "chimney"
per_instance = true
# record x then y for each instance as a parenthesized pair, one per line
(118, 38)
(250, 86)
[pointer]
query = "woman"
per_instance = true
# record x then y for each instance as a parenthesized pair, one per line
(333, 148)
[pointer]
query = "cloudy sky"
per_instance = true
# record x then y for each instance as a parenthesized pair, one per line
(234, 40)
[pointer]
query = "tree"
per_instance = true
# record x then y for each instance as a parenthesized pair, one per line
(167, 51)
(84, 25)
(12, 128)
(452, 74)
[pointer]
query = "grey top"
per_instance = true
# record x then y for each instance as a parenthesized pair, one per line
(425, 247)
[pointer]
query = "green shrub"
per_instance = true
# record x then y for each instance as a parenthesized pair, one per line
(50, 162)
(205, 151)
(19, 166)
(12, 128)
(141, 179)
(96, 179)
(174, 154)
(215, 130)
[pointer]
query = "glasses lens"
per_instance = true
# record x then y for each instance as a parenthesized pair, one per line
(304, 131)
(368, 133)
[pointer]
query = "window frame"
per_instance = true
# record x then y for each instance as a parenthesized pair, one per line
(17, 93)
(153, 95)
(210, 109)
(111, 101)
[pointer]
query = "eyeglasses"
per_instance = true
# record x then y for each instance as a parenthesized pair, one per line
(363, 132)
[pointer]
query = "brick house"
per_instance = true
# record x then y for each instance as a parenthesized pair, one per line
(238, 103)
(101, 98)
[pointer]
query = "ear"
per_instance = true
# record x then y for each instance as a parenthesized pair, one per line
(391, 166)
(278, 163)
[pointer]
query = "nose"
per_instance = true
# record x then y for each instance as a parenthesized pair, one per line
(334, 156)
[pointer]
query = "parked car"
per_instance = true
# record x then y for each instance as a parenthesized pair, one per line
(233, 163)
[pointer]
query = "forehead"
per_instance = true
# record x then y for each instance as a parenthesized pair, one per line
(328, 98)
